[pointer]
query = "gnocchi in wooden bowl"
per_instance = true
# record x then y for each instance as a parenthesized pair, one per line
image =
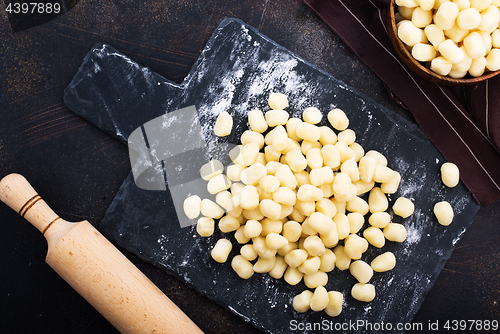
(447, 42)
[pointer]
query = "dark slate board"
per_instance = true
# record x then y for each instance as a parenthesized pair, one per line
(236, 72)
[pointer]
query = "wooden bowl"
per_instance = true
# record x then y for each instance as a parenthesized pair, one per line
(417, 66)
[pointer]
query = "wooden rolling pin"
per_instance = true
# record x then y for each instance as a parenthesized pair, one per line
(98, 271)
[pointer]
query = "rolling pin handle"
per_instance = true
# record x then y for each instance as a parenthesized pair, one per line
(19, 195)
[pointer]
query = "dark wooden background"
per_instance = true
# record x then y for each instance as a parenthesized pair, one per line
(78, 169)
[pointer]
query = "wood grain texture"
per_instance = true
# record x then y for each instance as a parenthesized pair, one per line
(60, 153)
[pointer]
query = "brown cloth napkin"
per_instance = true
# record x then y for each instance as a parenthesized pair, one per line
(463, 122)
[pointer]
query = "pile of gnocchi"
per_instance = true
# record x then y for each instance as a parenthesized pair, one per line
(293, 199)
(452, 38)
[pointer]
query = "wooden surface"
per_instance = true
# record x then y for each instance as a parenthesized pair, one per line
(77, 168)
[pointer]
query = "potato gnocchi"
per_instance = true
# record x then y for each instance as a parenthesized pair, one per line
(452, 38)
(298, 198)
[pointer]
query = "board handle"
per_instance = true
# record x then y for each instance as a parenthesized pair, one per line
(19, 195)
(96, 269)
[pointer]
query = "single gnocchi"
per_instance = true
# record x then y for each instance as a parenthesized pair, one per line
(450, 174)
(444, 213)
(361, 271)
(338, 119)
(210, 209)
(319, 300)
(364, 292)
(395, 232)
(210, 169)
(221, 250)
(302, 302)
(355, 246)
(312, 115)
(223, 124)
(192, 206)
(277, 101)
(383, 262)
(205, 226)
(257, 121)
(403, 207)
(409, 33)
(242, 267)
(276, 117)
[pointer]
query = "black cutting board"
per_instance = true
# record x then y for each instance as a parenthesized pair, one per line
(236, 71)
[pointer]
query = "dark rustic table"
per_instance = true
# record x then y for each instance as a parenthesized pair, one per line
(78, 169)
